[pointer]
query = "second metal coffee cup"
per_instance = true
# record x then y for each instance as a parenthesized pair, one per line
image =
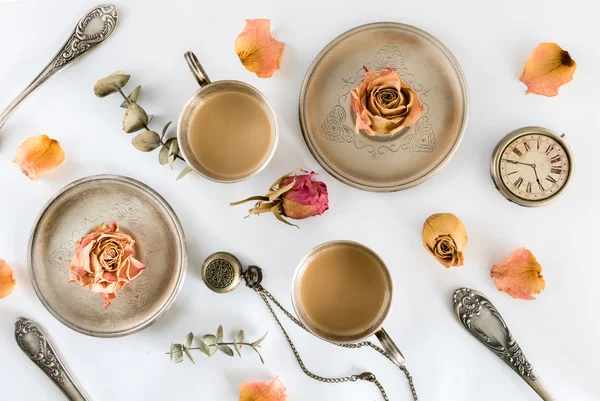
(207, 89)
(376, 328)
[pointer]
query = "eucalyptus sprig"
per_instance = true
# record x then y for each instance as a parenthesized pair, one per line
(137, 119)
(209, 344)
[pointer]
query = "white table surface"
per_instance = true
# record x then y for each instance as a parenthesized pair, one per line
(492, 40)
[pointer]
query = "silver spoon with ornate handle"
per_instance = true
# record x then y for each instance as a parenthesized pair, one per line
(477, 314)
(34, 343)
(97, 25)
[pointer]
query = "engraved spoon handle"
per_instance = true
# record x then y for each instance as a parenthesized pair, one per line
(36, 345)
(94, 28)
(477, 314)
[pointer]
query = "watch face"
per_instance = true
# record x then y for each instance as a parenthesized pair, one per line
(534, 167)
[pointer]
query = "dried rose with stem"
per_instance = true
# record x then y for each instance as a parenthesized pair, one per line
(294, 196)
(137, 119)
(209, 344)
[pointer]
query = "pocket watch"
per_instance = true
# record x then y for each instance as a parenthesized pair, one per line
(532, 166)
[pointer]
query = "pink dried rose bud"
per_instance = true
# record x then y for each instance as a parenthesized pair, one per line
(294, 196)
(384, 104)
(104, 262)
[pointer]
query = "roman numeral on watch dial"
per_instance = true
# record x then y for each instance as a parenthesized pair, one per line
(555, 159)
(518, 182)
(552, 180)
(527, 148)
(517, 152)
(556, 171)
(549, 150)
(528, 190)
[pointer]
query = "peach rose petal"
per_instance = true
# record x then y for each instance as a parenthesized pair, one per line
(7, 281)
(38, 155)
(549, 67)
(520, 275)
(272, 390)
(257, 49)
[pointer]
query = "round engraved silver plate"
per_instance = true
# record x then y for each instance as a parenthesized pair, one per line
(222, 272)
(413, 155)
(140, 212)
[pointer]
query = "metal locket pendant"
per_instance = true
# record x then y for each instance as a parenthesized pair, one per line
(532, 166)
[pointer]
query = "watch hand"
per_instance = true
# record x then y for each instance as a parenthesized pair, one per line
(516, 162)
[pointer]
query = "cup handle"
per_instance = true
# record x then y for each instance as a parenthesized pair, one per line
(196, 69)
(390, 347)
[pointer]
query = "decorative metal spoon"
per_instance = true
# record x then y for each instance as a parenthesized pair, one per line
(97, 25)
(477, 314)
(34, 343)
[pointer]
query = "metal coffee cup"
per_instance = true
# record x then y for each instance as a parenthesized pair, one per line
(208, 88)
(376, 328)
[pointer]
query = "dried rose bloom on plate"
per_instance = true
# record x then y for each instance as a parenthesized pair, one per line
(104, 262)
(445, 237)
(384, 104)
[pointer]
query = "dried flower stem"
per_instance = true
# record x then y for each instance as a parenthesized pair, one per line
(146, 125)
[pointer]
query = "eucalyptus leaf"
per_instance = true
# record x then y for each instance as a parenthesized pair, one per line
(256, 343)
(163, 156)
(212, 349)
(259, 355)
(176, 353)
(149, 118)
(173, 151)
(135, 118)
(184, 172)
(132, 98)
(111, 84)
(237, 342)
(204, 348)
(209, 339)
(147, 141)
(187, 352)
(226, 350)
(188, 341)
(164, 131)
(220, 334)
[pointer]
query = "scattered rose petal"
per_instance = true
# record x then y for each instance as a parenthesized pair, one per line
(7, 281)
(384, 104)
(257, 49)
(520, 275)
(272, 390)
(445, 237)
(38, 155)
(549, 67)
(104, 262)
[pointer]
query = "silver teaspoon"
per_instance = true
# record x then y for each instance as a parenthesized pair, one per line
(97, 25)
(477, 314)
(36, 345)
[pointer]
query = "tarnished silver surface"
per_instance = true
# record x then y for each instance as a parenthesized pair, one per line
(140, 212)
(384, 163)
(477, 314)
(37, 346)
(94, 28)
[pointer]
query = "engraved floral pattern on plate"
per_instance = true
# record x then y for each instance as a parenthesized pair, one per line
(384, 163)
(141, 213)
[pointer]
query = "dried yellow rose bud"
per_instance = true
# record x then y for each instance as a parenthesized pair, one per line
(445, 237)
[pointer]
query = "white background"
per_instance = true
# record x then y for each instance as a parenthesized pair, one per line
(492, 40)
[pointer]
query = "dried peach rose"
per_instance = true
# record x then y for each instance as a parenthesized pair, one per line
(257, 49)
(272, 390)
(38, 155)
(520, 275)
(445, 237)
(7, 281)
(549, 67)
(384, 104)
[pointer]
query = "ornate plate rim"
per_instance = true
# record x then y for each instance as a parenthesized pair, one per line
(378, 25)
(183, 249)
